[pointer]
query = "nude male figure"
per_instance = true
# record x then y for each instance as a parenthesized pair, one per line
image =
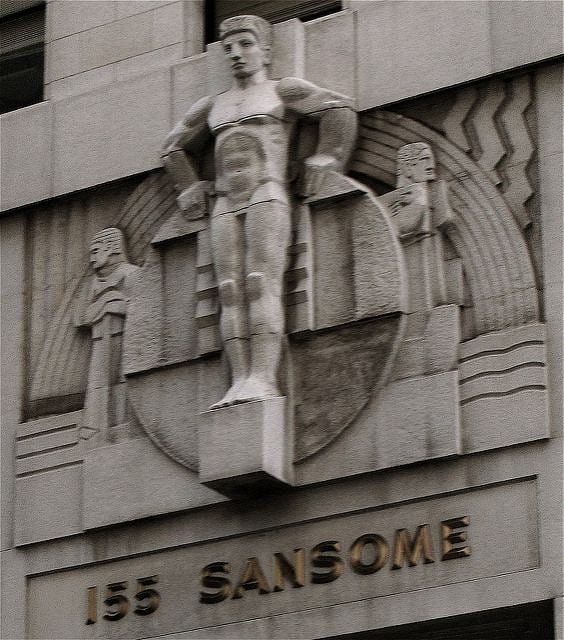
(254, 124)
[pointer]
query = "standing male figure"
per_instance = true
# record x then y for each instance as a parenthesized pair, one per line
(253, 124)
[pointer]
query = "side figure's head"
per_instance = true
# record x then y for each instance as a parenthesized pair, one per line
(107, 249)
(247, 41)
(415, 163)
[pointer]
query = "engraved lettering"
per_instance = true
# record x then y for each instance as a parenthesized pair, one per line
(148, 598)
(449, 538)
(118, 601)
(92, 598)
(221, 584)
(283, 570)
(380, 553)
(404, 548)
(252, 577)
(323, 556)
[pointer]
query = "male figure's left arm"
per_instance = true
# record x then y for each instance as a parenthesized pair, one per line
(337, 127)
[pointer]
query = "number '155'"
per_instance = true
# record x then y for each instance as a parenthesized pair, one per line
(118, 604)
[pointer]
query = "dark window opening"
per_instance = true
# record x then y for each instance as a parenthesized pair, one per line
(22, 59)
(271, 10)
(533, 621)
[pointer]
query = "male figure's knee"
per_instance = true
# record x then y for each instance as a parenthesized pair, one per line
(256, 285)
(229, 292)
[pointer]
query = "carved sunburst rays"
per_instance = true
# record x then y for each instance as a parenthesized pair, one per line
(485, 233)
(151, 203)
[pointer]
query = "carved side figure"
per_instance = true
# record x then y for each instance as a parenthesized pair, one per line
(415, 164)
(105, 405)
(253, 124)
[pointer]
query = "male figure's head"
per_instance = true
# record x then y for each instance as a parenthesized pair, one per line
(246, 42)
(106, 250)
(415, 164)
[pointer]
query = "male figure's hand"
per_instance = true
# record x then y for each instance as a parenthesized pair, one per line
(315, 168)
(193, 200)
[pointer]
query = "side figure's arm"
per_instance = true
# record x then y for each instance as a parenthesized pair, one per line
(180, 147)
(337, 127)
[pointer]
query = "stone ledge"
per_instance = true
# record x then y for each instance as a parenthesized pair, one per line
(133, 480)
(67, 167)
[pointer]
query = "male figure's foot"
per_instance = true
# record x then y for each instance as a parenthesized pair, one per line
(231, 396)
(256, 389)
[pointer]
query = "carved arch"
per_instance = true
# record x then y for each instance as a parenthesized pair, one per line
(484, 233)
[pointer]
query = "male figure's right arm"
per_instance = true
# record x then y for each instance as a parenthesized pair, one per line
(182, 143)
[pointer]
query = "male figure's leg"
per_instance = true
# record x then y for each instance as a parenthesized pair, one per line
(228, 254)
(267, 235)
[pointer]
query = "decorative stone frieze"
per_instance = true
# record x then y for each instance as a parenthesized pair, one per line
(283, 323)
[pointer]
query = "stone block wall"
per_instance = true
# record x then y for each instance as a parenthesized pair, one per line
(93, 44)
(433, 445)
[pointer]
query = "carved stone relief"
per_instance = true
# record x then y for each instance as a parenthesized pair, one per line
(58, 273)
(107, 417)
(270, 219)
(280, 322)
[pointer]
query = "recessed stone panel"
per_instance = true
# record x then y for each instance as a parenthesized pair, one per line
(497, 540)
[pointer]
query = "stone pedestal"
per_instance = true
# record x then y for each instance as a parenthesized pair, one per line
(247, 448)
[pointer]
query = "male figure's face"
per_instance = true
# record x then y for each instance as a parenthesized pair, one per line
(244, 53)
(99, 255)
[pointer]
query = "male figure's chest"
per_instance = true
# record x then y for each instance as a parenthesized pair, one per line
(256, 104)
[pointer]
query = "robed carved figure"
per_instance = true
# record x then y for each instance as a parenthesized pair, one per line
(254, 124)
(106, 411)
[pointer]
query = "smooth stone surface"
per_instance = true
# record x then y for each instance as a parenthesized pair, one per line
(65, 17)
(289, 48)
(417, 419)
(83, 124)
(469, 40)
(457, 50)
(116, 40)
(189, 83)
(90, 80)
(144, 62)
(521, 32)
(48, 505)
(26, 177)
(246, 448)
(125, 8)
(166, 403)
(12, 309)
(12, 586)
(330, 54)
(549, 87)
(148, 483)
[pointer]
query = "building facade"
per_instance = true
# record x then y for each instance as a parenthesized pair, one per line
(356, 431)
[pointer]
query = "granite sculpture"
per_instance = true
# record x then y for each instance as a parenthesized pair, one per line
(105, 408)
(256, 187)
(409, 302)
